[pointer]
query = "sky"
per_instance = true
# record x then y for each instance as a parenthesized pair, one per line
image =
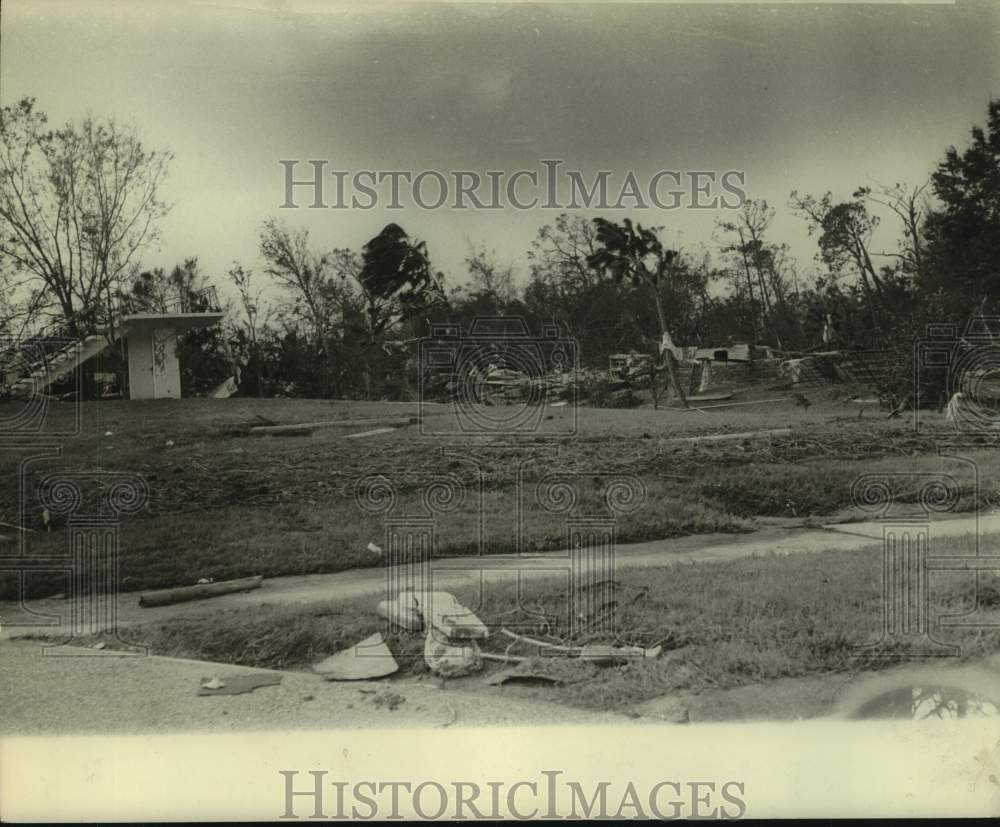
(797, 97)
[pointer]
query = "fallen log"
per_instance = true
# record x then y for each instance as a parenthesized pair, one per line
(285, 430)
(180, 594)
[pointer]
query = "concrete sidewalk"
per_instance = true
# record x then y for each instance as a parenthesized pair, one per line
(51, 617)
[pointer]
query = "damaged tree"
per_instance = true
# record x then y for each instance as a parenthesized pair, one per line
(636, 254)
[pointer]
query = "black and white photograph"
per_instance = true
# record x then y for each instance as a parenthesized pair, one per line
(434, 411)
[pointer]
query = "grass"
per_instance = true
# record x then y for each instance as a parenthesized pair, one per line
(224, 504)
(722, 625)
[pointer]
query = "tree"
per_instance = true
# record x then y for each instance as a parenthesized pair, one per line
(396, 279)
(963, 233)
(491, 281)
(255, 318)
(634, 253)
(845, 237)
(758, 272)
(77, 207)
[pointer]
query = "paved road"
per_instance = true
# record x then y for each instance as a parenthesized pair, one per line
(79, 691)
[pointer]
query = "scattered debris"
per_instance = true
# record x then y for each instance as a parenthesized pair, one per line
(309, 427)
(442, 611)
(449, 659)
(108, 433)
(169, 443)
(604, 654)
(238, 684)
(224, 389)
(165, 597)
(364, 434)
(368, 659)
(100, 645)
(374, 549)
(402, 612)
(561, 404)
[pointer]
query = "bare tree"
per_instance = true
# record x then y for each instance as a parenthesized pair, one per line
(78, 206)
(490, 278)
(255, 314)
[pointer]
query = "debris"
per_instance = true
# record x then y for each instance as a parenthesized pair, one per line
(169, 443)
(604, 654)
(205, 580)
(368, 659)
(238, 684)
(224, 389)
(374, 432)
(46, 517)
(294, 429)
(502, 658)
(724, 437)
(402, 612)
(99, 645)
(108, 433)
(374, 549)
(442, 611)
(561, 404)
(451, 660)
(555, 647)
(710, 397)
(165, 597)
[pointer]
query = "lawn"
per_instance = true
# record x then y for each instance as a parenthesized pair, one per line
(721, 626)
(226, 504)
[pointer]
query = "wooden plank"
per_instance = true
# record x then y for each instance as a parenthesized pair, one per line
(166, 597)
(392, 422)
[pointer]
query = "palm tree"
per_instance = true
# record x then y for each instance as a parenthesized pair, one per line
(634, 253)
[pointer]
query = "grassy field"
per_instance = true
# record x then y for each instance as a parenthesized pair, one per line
(721, 625)
(226, 504)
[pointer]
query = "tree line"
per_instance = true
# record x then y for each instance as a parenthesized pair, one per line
(79, 206)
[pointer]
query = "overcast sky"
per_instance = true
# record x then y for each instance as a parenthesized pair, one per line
(809, 98)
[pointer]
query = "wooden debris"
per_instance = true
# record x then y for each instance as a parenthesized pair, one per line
(293, 429)
(442, 611)
(368, 659)
(165, 597)
(363, 434)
